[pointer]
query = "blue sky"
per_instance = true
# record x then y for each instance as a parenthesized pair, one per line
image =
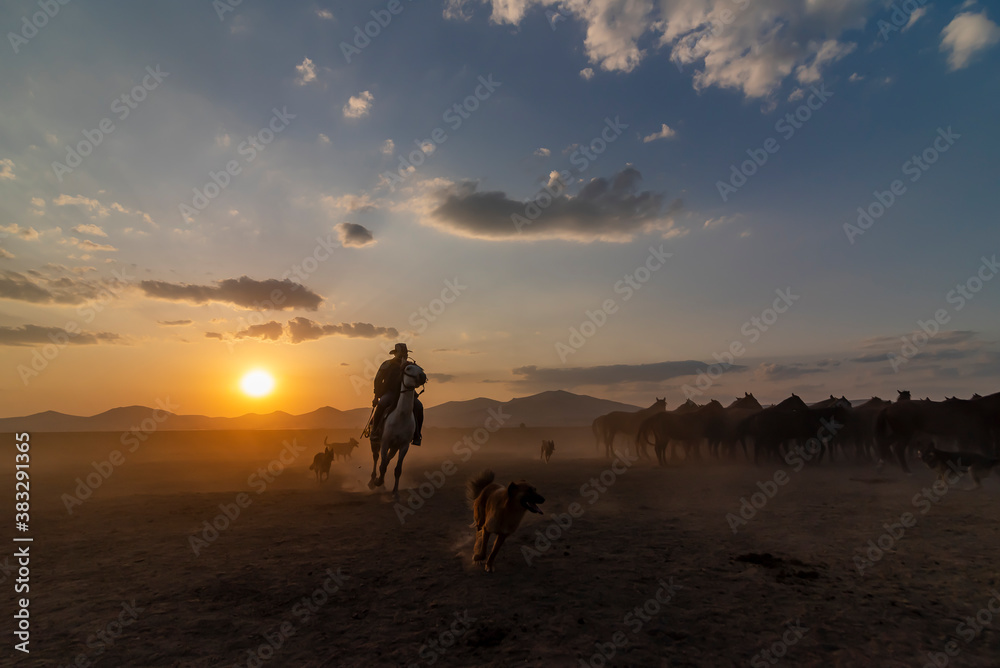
(698, 83)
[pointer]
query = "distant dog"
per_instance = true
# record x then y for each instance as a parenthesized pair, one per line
(547, 448)
(498, 509)
(978, 466)
(342, 450)
(321, 464)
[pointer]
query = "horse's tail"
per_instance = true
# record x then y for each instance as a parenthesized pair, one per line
(477, 484)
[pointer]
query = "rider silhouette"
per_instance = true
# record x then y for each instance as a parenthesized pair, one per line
(387, 383)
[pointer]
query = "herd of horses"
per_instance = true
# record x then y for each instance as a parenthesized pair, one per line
(874, 431)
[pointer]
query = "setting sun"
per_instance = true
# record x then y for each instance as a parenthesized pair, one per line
(257, 383)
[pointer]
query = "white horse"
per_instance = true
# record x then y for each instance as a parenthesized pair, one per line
(398, 430)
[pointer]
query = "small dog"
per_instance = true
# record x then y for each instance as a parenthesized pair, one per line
(498, 509)
(978, 466)
(547, 448)
(321, 464)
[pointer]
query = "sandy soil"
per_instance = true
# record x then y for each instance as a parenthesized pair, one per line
(649, 571)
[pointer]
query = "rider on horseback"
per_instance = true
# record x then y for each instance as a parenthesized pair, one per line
(387, 384)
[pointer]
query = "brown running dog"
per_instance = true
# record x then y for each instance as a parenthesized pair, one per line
(498, 509)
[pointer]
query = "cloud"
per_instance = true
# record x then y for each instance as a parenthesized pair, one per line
(542, 153)
(612, 374)
(267, 295)
(775, 371)
(750, 47)
(214, 335)
(966, 36)
(587, 73)
(388, 146)
(663, 133)
(90, 228)
(6, 254)
(353, 235)
(349, 203)
(303, 329)
(174, 323)
(98, 210)
(854, 78)
(7, 170)
(827, 52)
(606, 209)
(36, 335)
(323, 139)
(270, 331)
(359, 105)
(455, 10)
(306, 72)
(712, 223)
(24, 233)
(40, 289)
(324, 14)
(223, 140)
(441, 377)
(915, 16)
(88, 245)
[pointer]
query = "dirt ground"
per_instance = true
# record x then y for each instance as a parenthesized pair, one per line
(632, 565)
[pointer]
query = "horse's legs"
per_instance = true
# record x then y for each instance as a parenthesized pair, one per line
(482, 540)
(493, 553)
(399, 469)
(375, 451)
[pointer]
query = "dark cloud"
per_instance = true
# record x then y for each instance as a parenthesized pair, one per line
(611, 374)
(213, 335)
(267, 295)
(40, 289)
(270, 331)
(774, 371)
(174, 323)
(35, 335)
(303, 329)
(871, 357)
(605, 209)
(441, 377)
(353, 235)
